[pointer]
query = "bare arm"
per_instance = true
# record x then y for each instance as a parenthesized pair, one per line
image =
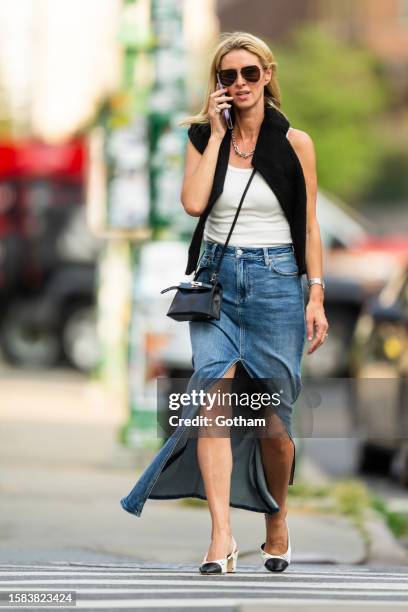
(304, 148)
(199, 169)
(198, 176)
(315, 315)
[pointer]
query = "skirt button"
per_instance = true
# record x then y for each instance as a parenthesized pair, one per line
(239, 251)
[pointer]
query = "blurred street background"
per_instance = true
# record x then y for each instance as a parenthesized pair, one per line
(92, 228)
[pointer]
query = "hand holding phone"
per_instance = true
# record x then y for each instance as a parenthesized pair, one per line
(225, 111)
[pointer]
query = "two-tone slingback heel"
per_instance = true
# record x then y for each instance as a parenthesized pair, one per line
(221, 566)
(276, 563)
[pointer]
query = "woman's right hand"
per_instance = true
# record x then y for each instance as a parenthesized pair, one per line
(218, 99)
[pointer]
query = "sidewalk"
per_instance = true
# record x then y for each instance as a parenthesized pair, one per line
(62, 479)
(57, 507)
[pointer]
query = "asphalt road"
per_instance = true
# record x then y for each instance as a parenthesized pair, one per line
(169, 587)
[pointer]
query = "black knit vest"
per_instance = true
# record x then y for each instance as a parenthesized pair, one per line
(275, 159)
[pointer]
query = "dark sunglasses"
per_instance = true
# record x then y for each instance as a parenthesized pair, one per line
(229, 76)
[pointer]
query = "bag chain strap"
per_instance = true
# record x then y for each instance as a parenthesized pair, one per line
(216, 271)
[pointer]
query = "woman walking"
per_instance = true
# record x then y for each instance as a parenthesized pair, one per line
(263, 325)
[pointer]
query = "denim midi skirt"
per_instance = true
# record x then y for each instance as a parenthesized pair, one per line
(262, 329)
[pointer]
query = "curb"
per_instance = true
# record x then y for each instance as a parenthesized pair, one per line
(383, 547)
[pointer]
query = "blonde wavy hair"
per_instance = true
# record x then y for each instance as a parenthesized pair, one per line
(229, 41)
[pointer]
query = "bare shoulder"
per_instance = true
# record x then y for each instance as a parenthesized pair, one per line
(299, 139)
(301, 142)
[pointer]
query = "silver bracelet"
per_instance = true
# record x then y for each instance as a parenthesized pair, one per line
(316, 281)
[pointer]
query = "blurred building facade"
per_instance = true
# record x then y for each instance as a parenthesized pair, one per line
(58, 61)
(380, 25)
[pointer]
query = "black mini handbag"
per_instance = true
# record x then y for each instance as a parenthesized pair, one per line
(196, 300)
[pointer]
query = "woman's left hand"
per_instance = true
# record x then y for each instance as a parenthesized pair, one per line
(316, 321)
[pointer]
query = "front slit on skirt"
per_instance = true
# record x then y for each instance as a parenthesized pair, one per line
(175, 473)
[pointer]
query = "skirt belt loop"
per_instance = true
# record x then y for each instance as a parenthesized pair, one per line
(213, 249)
(266, 255)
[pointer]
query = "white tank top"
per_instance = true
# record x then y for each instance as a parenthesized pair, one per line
(261, 221)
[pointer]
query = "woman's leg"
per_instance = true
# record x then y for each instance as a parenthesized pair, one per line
(215, 461)
(277, 450)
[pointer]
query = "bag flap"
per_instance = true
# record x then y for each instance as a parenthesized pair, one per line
(192, 286)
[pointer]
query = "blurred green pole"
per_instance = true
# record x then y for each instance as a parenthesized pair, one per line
(168, 105)
(140, 122)
(137, 42)
(164, 104)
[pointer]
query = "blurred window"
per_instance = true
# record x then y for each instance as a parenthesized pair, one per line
(326, 236)
(404, 297)
(395, 288)
(330, 240)
(38, 196)
(41, 194)
(7, 197)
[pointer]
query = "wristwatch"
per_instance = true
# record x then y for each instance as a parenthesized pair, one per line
(316, 281)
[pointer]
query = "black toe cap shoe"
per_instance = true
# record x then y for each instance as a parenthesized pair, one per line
(210, 568)
(276, 565)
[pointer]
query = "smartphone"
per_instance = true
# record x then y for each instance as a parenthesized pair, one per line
(225, 111)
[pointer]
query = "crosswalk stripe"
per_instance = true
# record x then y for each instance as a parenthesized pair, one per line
(298, 589)
(209, 603)
(215, 582)
(358, 573)
(290, 575)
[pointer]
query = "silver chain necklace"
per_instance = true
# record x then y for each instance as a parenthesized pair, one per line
(237, 149)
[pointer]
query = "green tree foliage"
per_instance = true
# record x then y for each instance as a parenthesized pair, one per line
(334, 92)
